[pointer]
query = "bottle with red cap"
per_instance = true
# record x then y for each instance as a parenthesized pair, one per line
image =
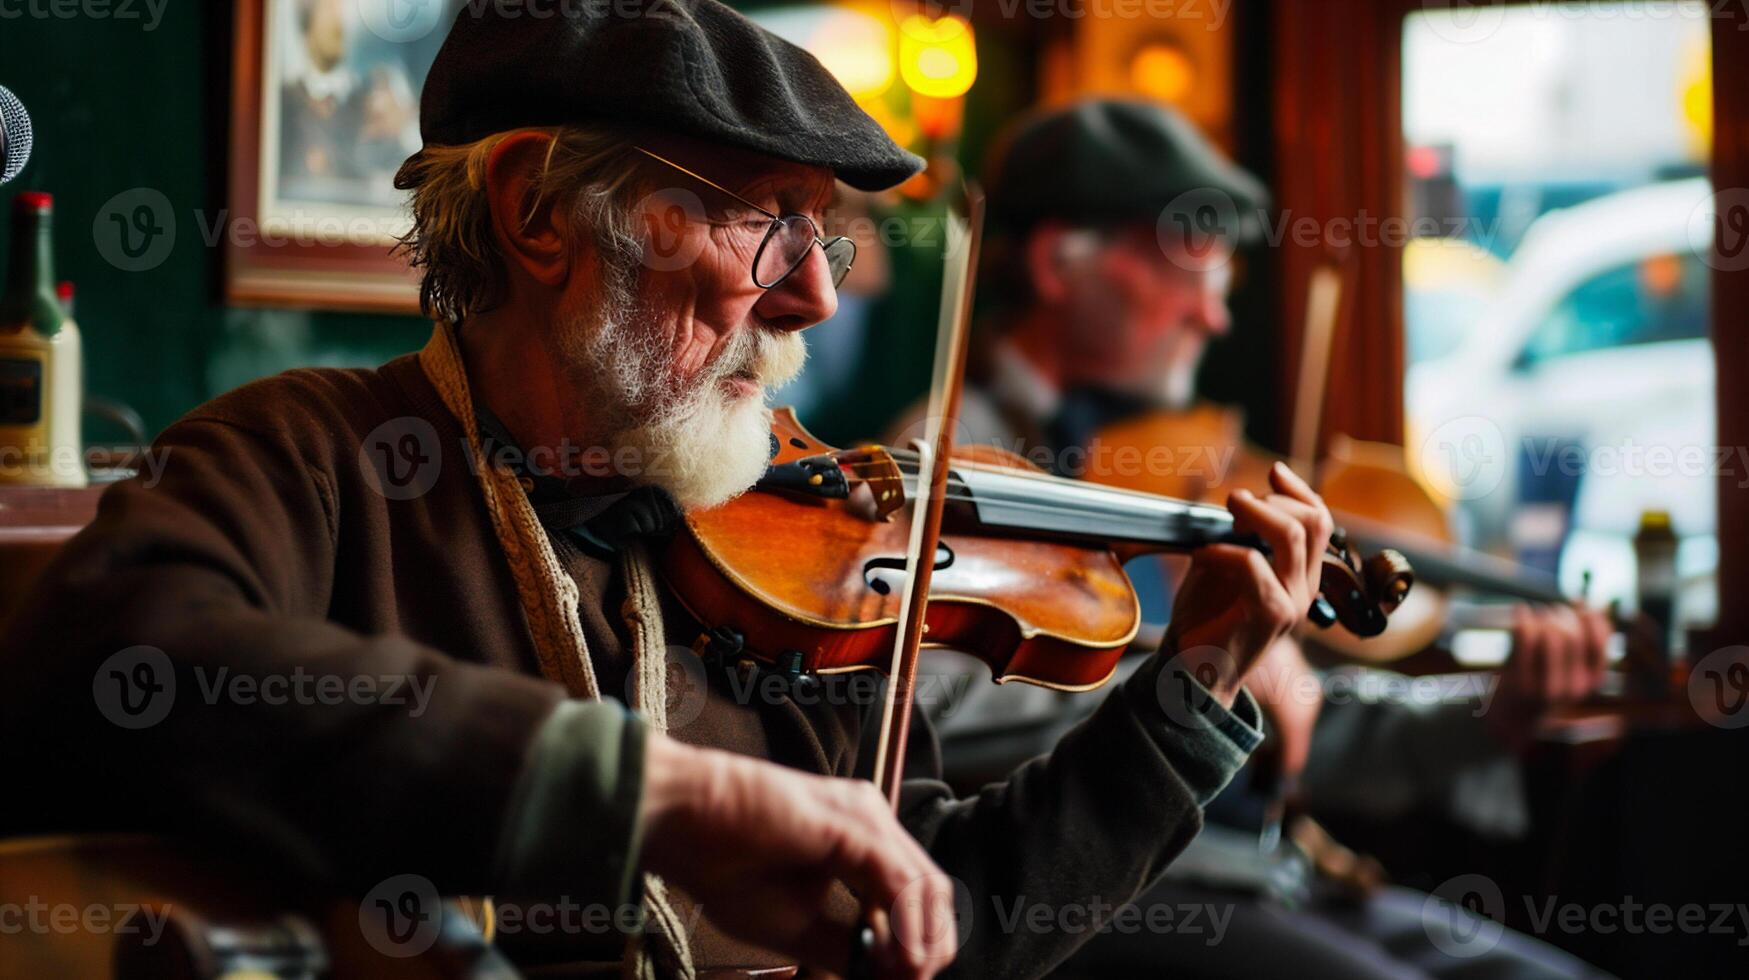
(41, 365)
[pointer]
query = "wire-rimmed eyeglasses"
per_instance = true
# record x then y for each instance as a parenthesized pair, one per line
(787, 240)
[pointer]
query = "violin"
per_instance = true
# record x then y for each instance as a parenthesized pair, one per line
(1027, 574)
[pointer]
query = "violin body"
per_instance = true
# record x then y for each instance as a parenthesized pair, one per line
(1370, 485)
(819, 578)
(1028, 574)
(1200, 454)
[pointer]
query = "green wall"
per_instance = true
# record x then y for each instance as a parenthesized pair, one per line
(116, 107)
(119, 106)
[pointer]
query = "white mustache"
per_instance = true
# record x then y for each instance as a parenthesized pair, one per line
(771, 358)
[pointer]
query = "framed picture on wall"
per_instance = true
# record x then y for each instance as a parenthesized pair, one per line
(324, 107)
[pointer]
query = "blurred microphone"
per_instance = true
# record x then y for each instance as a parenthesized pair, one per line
(14, 135)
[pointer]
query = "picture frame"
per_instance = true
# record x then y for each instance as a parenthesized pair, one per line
(324, 107)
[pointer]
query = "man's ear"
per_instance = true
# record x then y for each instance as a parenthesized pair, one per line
(1044, 261)
(533, 232)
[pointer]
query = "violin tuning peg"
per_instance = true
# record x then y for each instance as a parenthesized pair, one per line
(1389, 578)
(1339, 544)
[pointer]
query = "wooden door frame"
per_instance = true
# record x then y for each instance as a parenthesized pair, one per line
(1730, 322)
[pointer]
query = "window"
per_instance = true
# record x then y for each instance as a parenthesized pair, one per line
(1658, 299)
(1557, 295)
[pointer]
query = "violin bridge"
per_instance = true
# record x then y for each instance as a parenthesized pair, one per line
(877, 482)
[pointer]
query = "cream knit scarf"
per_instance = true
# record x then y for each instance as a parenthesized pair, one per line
(549, 603)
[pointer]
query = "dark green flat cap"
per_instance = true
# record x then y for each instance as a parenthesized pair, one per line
(692, 67)
(1110, 161)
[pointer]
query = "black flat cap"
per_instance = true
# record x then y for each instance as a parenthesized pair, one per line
(693, 67)
(1108, 161)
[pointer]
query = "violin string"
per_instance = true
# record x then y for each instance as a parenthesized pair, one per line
(906, 462)
(1168, 502)
(1011, 501)
(1174, 520)
(1172, 523)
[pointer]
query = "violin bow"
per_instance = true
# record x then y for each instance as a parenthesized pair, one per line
(959, 266)
(1324, 316)
(960, 263)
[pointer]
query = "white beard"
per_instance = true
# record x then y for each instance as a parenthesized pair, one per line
(1177, 387)
(693, 439)
(1166, 381)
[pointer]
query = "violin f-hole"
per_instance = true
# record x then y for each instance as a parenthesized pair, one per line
(886, 575)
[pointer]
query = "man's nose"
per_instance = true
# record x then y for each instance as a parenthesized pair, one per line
(1212, 316)
(804, 298)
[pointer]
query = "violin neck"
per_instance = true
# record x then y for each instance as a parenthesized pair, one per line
(1052, 507)
(1439, 563)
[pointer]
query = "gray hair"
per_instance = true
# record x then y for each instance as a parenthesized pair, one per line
(593, 170)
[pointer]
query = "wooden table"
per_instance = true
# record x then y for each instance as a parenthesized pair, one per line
(34, 523)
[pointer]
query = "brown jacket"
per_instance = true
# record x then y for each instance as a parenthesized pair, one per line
(263, 552)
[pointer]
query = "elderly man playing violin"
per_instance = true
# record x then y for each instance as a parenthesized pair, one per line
(1115, 226)
(477, 520)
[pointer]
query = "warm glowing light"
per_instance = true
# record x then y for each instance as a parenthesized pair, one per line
(1697, 98)
(938, 118)
(857, 48)
(937, 58)
(1162, 69)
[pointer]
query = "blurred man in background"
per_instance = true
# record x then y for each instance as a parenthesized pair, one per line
(1114, 231)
